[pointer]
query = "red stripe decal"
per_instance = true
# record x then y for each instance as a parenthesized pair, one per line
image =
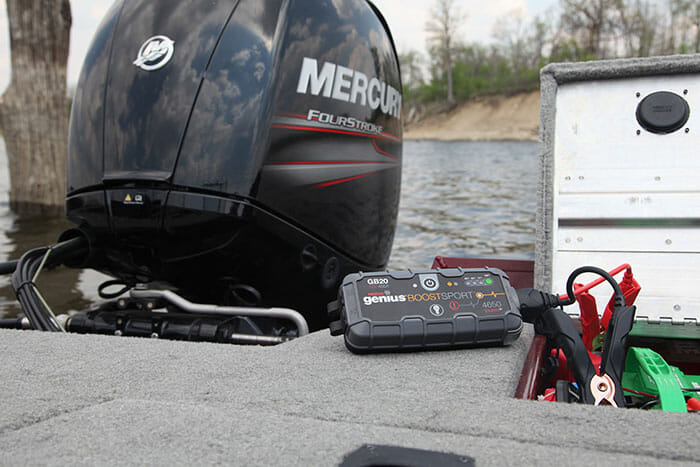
(376, 293)
(342, 180)
(329, 130)
(383, 152)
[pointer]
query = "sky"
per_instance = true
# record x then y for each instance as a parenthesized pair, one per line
(406, 20)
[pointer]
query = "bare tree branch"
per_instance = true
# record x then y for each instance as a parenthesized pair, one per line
(442, 27)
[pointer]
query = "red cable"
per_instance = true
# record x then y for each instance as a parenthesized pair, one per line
(640, 393)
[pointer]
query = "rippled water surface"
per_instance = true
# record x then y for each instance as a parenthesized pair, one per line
(466, 199)
(457, 199)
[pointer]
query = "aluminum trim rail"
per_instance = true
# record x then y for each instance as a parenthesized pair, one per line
(186, 305)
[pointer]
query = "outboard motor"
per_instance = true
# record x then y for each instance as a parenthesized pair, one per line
(242, 152)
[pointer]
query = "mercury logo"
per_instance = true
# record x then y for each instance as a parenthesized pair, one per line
(348, 85)
(155, 53)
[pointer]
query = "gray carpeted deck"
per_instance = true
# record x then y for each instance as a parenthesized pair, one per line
(74, 399)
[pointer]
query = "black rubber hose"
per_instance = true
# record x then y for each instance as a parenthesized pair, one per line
(11, 323)
(23, 276)
(26, 295)
(8, 267)
(18, 286)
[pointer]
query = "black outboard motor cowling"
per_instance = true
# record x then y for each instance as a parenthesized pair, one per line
(232, 146)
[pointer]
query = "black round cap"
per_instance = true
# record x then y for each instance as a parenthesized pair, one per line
(663, 112)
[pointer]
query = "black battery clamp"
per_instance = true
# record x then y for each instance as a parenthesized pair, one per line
(425, 310)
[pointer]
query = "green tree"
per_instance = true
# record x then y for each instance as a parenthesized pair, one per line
(411, 73)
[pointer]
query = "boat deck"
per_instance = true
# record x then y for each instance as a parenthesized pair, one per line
(78, 399)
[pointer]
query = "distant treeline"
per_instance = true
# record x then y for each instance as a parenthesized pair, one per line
(574, 30)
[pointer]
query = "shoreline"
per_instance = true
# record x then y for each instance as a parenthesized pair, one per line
(491, 118)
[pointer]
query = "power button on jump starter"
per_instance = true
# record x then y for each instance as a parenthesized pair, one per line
(429, 282)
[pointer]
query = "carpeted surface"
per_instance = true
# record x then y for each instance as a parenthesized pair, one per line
(73, 399)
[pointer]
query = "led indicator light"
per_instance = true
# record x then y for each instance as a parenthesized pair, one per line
(489, 281)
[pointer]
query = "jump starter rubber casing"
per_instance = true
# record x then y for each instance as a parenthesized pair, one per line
(423, 310)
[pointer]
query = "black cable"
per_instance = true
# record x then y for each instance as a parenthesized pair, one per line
(23, 284)
(11, 323)
(21, 278)
(109, 283)
(245, 295)
(8, 267)
(649, 405)
(534, 302)
(619, 297)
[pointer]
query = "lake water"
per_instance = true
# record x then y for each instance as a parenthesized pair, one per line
(466, 199)
(457, 199)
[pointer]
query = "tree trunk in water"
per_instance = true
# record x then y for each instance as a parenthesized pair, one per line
(33, 109)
